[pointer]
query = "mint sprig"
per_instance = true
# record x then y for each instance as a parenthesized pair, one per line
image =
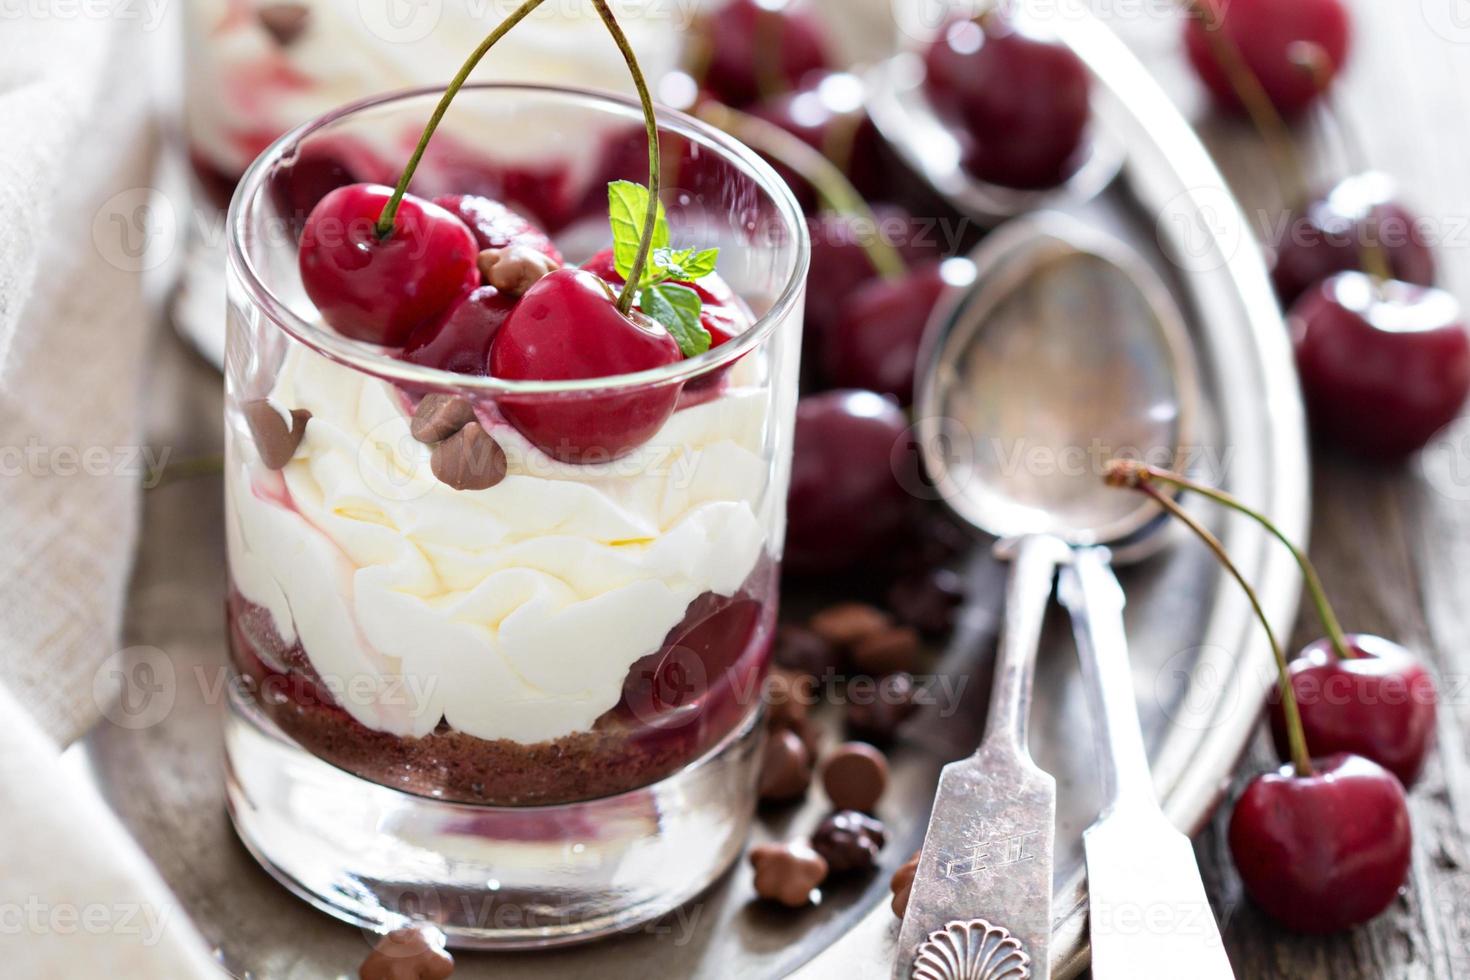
(675, 306)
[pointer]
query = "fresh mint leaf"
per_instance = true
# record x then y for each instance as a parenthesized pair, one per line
(677, 308)
(686, 264)
(627, 206)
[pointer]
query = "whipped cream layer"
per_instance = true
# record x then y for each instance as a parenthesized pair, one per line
(513, 612)
(246, 88)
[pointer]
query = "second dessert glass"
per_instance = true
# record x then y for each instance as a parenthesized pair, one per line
(526, 713)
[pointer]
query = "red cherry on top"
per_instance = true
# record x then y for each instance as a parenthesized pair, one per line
(459, 339)
(1326, 851)
(1383, 365)
(1380, 705)
(1021, 98)
(379, 289)
(496, 226)
(567, 327)
(1269, 35)
(875, 343)
(744, 32)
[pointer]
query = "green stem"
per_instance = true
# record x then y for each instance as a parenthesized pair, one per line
(832, 185)
(1295, 737)
(650, 123)
(1335, 634)
(390, 210)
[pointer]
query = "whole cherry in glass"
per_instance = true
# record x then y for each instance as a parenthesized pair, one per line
(846, 500)
(496, 226)
(567, 327)
(1379, 702)
(875, 342)
(760, 47)
(1324, 850)
(1384, 364)
(1021, 98)
(1266, 38)
(1331, 233)
(459, 339)
(379, 287)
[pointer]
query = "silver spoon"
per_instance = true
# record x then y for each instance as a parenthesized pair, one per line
(1068, 351)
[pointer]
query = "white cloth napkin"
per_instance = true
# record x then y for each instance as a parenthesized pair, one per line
(78, 141)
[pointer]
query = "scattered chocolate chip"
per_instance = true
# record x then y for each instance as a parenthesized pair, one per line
(846, 623)
(284, 21)
(887, 651)
(849, 841)
(902, 885)
(877, 719)
(470, 459)
(273, 440)
(787, 699)
(800, 649)
(855, 776)
(410, 953)
(515, 268)
(786, 767)
(439, 416)
(927, 600)
(787, 873)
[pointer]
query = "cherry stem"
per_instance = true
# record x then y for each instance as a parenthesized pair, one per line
(1258, 105)
(831, 184)
(1295, 736)
(1138, 472)
(390, 210)
(650, 124)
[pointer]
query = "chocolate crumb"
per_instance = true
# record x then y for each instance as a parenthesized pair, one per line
(273, 440)
(410, 953)
(439, 416)
(855, 776)
(902, 885)
(470, 459)
(848, 623)
(890, 651)
(878, 720)
(786, 767)
(849, 841)
(284, 21)
(787, 873)
(515, 268)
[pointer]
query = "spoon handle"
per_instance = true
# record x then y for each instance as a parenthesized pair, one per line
(1149, 918)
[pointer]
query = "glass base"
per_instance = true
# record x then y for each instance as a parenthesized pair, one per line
(489, 877)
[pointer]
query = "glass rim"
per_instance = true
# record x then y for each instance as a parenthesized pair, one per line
(371, 360)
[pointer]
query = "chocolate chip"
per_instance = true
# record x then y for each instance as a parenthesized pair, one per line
(887, 651)
(410, 953)
(273, 440)
(470, 459)
(439, 416)
(877, 719)
(786, 767)
(927, 600)
(902, 885)
(284, 21)
(787, 696)
(787, 873)
(846, 623)
(800, 649)
(849, 841)
(515, 268)
(855, 776)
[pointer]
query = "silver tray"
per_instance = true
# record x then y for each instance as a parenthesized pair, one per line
(1201, 665)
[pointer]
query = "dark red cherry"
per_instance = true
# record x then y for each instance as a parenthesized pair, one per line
(459, 340)
(1322, 852)
(827, 114)
(1021, 98)
(846, 501)
(1269, 36)
(1383, 365)
(496, 226)
(318, 167)
(744, 32)
(875, 343)
(567, 327)
(375, 289)
(1380, 705)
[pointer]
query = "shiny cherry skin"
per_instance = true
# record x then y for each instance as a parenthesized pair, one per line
(1322, 852)
(1022, 100)
(847, 501)
(375, 289)
(827, 114)
(1329, 234)
(743, 32)
(1380, 705)
(1383, 365)
(459, 340)
(875, 343)
(318, 167)
(567, 327)
(496, 226)
(1267, 34)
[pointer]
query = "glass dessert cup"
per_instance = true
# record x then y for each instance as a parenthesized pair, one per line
(527, 713)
